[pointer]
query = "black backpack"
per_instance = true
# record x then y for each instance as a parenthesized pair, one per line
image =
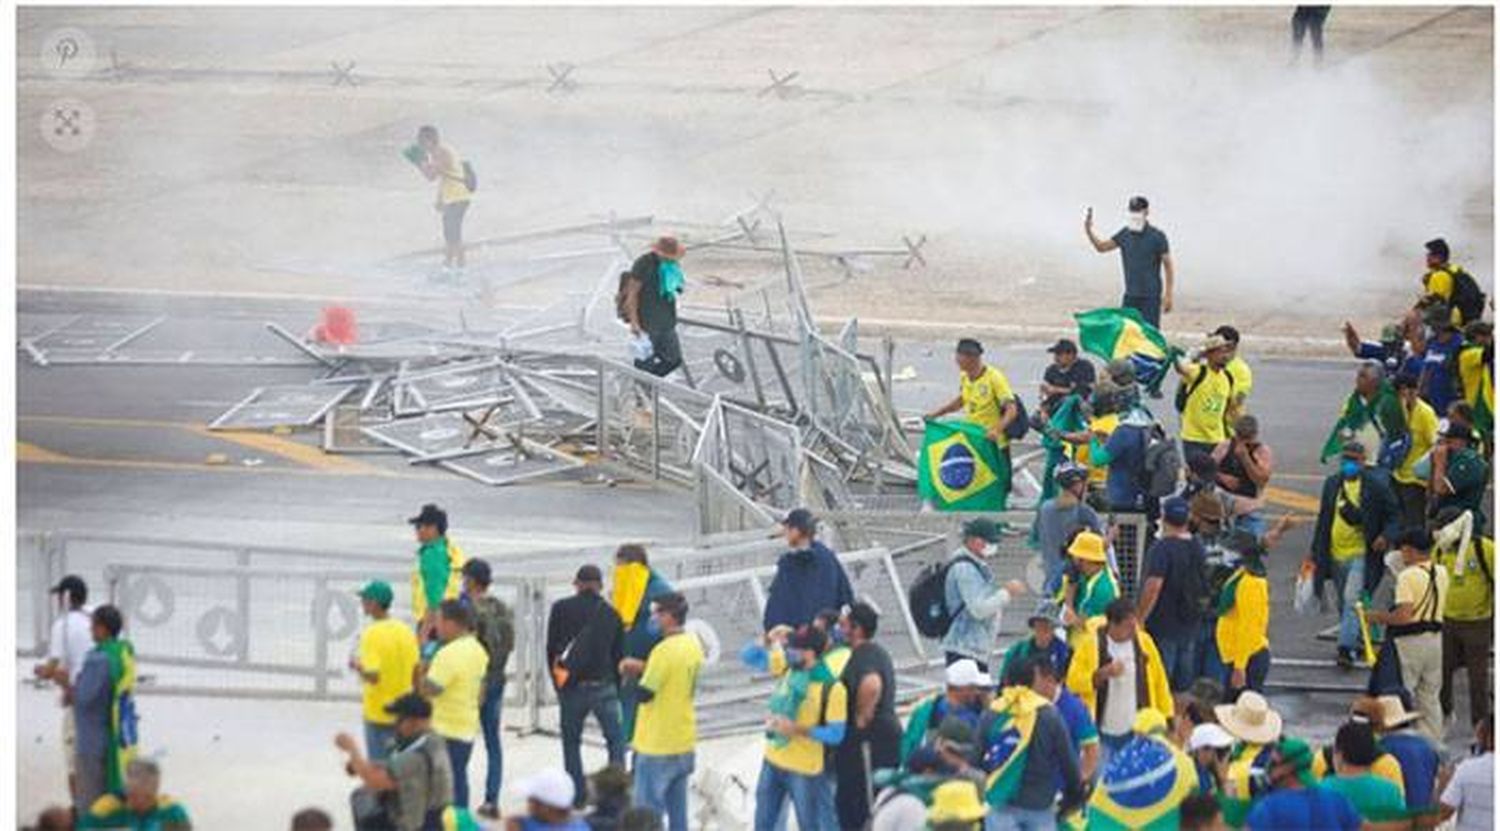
(928, 598)
(1162, 461)
(1185, 391)
(1467, 297)
(1016, 430)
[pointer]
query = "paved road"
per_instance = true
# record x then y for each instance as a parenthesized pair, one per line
(124, 449)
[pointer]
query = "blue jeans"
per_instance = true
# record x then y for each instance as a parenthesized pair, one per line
(1179, 657)
(807, 794)
(1053, 566)
(1256, 670)
(661, 784)
(574, 705)
(378, 738)
(489, 727)
(1011, 818)
(458, 759)
(1349, 579)
(1253, 522)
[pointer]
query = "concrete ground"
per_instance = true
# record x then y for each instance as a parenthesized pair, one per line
(228, 179)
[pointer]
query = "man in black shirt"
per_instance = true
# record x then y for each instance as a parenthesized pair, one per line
(585, 643)
(651, 304)
(1171, 596)
(1145, 255)
(873, 737)
(1066, 375)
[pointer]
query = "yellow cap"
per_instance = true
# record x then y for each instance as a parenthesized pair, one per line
(1089, 547)
(956, 801)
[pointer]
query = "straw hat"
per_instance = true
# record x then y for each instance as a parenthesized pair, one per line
(956, 801)
(1250, 719)
(1089, 547)
(1389, 712)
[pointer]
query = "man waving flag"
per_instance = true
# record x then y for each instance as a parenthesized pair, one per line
(965, 466)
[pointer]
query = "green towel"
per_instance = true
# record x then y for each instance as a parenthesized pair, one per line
(415, 154)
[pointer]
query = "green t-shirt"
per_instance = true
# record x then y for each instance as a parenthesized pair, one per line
(1375, 799)
(1468, 474)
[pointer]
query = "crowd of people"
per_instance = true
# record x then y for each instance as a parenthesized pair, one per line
(1143, 712)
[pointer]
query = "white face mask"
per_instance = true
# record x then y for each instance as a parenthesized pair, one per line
(1136, 221)
(990, 549)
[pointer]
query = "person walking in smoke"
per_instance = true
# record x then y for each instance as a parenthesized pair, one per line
(1308, 20)
(1145, 256)
(440, 162)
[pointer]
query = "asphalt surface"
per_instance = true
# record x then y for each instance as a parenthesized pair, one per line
(124, 449)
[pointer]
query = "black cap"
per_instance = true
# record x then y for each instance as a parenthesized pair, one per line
(801, 519)
(1438, 246)
(478, 570)
(1139, 203)
(1063, 345)
(588, 574)
(410, 705)
(431, 515)
(73, 586)
(969, 346)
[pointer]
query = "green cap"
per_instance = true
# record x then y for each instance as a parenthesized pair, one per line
(1295, 752)
(982, 528)
(378, 591)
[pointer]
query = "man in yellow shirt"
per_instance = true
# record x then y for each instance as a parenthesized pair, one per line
(1205, 395)
(984, 395)
(1422, 421)
(1476, 375)
(385, 662)
(809, 710)
(1357, 518)
(454, 681)
(1469, 610)
(1416, 625)
(1244, 379)
(440, 162)
(666, 727)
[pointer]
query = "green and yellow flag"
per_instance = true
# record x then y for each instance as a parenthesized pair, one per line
(960, 469)
(1378, 424)
(1122, 333)
(122, 717)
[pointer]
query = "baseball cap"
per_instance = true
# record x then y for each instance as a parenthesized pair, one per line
(983, 528)
(431, 515)
(1438, 246)
(588, 574)
(410, 705)
(965, 673)
(378, 591)
(1209, 734)
(1063, 345)
(1174, 510)
(477, 570)
(801, 519)
(72, 586)
(550, 787)
(1139, 203)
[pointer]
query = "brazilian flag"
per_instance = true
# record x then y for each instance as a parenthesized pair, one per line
(1122, 333)
(960, 469)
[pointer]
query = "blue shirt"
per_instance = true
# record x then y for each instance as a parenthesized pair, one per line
(1419, 765)
(1075, 715)
(1395, 361)
(1126, 447)
(1308, 809)
(1438, 362)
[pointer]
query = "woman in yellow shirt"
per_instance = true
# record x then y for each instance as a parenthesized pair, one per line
(443, 164)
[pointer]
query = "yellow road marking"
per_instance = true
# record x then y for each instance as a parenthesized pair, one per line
(29, 453)
(312, 457)
(1292, 499)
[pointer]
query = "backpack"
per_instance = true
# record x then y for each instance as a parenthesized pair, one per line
(928, 598)
(496, 631)
(471, 181)
(1162, 462)
(1467, 297)
(1185, 391)
(1016, 430)
(620, 294)
(1198, 598)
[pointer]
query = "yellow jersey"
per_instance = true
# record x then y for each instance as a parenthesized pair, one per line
(459, 668)
(667, 724)
(1346, 541)
(1203, 415)
(984, 399)
(1422, 420)
(451, 187)
(389, 649)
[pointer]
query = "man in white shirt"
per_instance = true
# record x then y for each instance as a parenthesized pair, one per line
(1470, 794)
(72, 638)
